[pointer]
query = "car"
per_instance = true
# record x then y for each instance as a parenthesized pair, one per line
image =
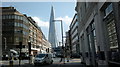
(43, 59)
(5, 57)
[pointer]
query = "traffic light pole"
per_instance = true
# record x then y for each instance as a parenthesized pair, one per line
(20, 46)
(29, 48)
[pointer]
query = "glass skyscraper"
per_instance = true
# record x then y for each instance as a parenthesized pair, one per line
(52, 30)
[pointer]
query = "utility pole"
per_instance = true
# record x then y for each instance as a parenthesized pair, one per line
(29, 48)
(20, 47)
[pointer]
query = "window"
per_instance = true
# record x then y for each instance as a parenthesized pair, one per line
(25, 33)
(112, 34)
(17, 39)
(12, 17)
(15, 17)
(3, 16)
(9, 16)
(6, 16)
(108, 9)
(18, 31)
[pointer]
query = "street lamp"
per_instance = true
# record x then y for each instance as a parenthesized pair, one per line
(5, 43)
(61, 29)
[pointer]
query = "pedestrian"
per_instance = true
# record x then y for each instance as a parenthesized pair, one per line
(68, 55)
(62, 55)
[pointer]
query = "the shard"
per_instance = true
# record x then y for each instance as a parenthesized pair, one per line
(52, 30)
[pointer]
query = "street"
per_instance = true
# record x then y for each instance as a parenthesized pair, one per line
(25, 63)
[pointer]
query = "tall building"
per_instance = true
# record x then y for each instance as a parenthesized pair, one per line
(74, 37)
(18, 27)
(15, 29)
(52, 30)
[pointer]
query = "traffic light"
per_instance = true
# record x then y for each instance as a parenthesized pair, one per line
(29, 47)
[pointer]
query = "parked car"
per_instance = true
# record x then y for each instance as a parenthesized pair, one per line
(43, 59)
(5, 57)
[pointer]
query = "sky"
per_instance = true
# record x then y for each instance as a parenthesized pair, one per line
(40, 12)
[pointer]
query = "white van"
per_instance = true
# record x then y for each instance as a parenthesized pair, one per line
(43, 59)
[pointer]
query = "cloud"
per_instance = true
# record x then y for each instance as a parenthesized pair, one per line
(65, 19)
(40, 22)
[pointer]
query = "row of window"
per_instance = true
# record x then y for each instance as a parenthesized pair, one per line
(20, 31)
(32, 39)
(10, 16)
(18, 39)
(8, 24)
(75, 32)
(112, 34)
(74, 26)
(75, 39)
(21, 25)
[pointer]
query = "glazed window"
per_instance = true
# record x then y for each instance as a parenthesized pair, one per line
(109, 9)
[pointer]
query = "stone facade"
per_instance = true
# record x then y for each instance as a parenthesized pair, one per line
(98, 32)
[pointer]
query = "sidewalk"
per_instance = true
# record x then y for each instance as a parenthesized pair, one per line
(74, 60)
(72, 63)
(15, 62)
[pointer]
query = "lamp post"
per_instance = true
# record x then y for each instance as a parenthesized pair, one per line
(61, 29)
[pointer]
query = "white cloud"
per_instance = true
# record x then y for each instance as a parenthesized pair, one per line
(40, 22)
(65, 19)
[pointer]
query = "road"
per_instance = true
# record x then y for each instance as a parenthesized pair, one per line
(25, 63)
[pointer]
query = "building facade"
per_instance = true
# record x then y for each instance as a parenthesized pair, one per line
(35, 36)
(18, 27)
(74, 37)
(15, 29)
(98, 33)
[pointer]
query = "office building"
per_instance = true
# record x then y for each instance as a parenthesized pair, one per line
(74, 37)
(18, 27)
(98, 27)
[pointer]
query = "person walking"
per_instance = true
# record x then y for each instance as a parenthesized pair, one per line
(68, 55)
(62, 55)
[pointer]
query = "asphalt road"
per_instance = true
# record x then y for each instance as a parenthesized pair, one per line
(56, 63)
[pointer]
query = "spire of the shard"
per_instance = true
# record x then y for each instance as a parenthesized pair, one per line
(52, 31)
